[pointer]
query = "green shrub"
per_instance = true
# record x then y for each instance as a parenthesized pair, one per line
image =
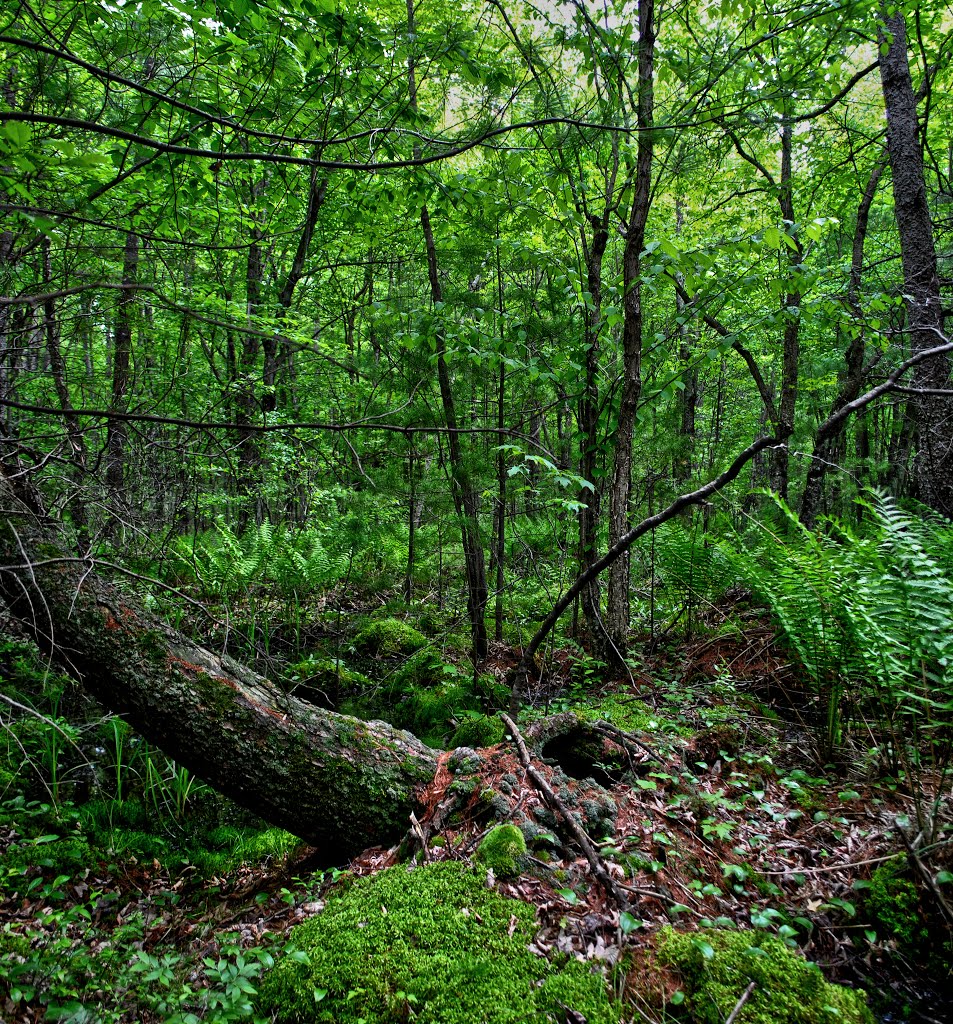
(718, 965)
(432, 944)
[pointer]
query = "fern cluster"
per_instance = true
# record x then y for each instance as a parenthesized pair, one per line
(292, 563)
(868, 617)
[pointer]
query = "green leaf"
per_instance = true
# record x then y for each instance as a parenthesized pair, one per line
(628, 923)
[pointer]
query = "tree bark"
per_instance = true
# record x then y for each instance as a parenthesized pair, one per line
(852, 376)
(921, 282)
(618, 611)
(122, 352)
(339, 783)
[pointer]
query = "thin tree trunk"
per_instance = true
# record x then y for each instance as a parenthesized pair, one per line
(791, 341)
(853, 373)
(466, 499)
(688, 399)
(122, 350)
(74, 431)
(618, 612)
(588, 415)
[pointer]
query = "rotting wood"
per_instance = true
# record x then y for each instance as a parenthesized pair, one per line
(556, 805)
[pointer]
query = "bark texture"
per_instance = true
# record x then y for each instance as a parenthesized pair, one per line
(921, 282)
(340, 783)
(618, 612)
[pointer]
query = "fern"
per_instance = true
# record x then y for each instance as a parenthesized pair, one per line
(868, 618)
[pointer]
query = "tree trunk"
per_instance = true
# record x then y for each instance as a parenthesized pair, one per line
(852, 376)
(466, 498)
(791, 343)
(618, 612)
(337, 782)
(588, 418)
(921, 283)
(122, 351)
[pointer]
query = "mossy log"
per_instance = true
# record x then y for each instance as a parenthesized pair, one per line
(339, 783)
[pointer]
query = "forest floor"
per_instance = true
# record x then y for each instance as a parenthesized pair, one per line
(713, 806)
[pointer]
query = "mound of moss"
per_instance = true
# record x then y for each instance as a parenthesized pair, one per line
(389, 638)
(718, 965)
(502, 850)
(893, 905)
(433, 945)
(478, 730)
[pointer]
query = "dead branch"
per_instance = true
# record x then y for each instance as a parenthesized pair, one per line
(559, 808)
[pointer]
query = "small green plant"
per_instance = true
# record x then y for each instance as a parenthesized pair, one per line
(893, 905)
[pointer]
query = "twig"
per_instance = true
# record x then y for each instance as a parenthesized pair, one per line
(830, 867)
(421, 838)
(595, 861)
(741, 1002)
(626, 739)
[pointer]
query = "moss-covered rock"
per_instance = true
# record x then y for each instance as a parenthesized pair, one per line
(717, 966)
(501, 850)
(433, 945)
(389, 638)
(423, 669)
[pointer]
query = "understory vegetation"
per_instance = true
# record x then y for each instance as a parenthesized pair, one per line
(789, 794)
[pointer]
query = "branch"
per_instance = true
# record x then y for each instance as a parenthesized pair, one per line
(620, 547)
(719, 328)
(557, 806)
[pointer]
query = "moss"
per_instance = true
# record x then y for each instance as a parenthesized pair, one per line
(502, 849)
(478, 731)
(718, 965)
(425, 668)
(389, 638)
(893, 905)
(434, 945)
(13, 947)
(64, 855)
(431, 713)
(630, 715)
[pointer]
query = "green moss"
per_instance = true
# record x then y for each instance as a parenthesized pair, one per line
(718, 965)
(389, 638)
(425, 668)
(13, 946)
(432, 712)
(502, 849)
(433, 945)
(478, 731)
(64, 855)
(893, 905)
(630, 715)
